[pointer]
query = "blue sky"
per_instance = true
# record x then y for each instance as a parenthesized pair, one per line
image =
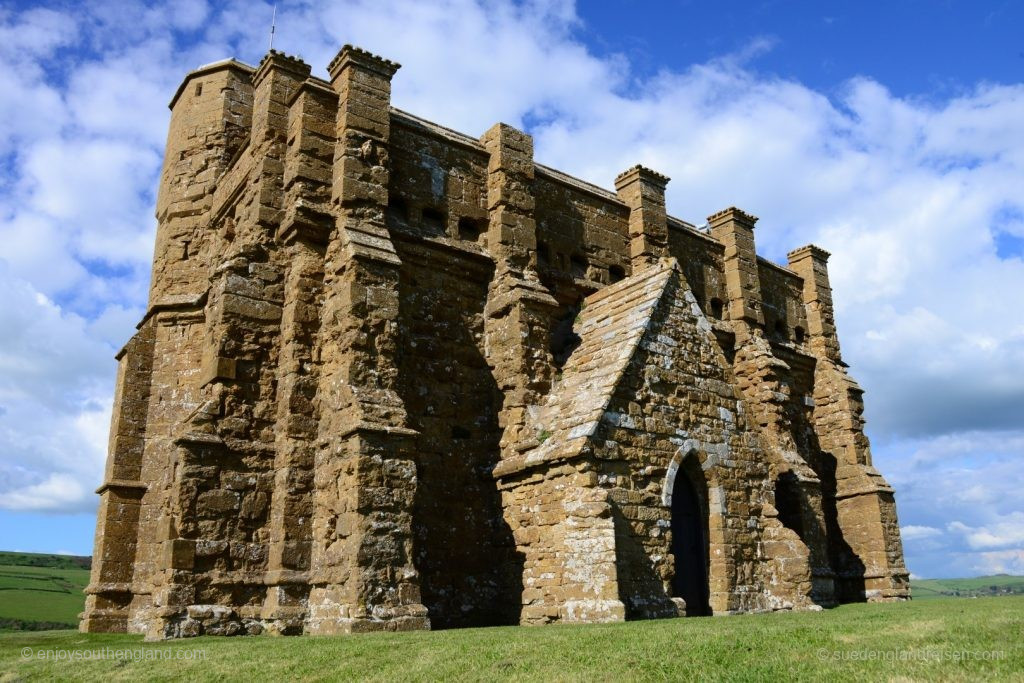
(890, 133)
(922, 48)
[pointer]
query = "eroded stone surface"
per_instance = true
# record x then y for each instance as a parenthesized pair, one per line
(394, 377)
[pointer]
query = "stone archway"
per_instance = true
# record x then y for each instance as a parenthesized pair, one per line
(686, 495)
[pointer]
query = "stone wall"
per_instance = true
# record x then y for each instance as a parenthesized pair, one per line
(393, 376)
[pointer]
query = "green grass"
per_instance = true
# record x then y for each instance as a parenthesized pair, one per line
(41, 560)
(33, 597)
(981, 586)
(764, 647)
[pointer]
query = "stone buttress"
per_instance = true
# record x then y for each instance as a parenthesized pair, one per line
(867, 552)
(363, 576)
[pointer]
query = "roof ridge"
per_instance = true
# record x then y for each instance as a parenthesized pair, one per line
(630, 282)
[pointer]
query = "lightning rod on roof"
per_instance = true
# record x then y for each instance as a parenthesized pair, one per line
(273, 22)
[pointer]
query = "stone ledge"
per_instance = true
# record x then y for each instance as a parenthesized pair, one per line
(174, 302)
(109, 587)
(375, 427)
(122, 484)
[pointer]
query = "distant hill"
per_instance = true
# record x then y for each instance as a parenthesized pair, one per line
(41, 592)
(41, 560)
(981, 586)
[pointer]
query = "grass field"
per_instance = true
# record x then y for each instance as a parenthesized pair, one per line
(982, 586)
(945, 640)
(41, 591)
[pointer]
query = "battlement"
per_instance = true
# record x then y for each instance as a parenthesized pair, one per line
(279, 60)
(386, 68)
(394, 376)
(811, 250)
(732, 213)
(350, 54)
(641, 172)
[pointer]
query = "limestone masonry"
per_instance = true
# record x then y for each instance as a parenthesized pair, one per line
(394, 377)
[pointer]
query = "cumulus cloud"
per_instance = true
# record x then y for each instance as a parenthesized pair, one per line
(55, 386)
(918, 200)
(1008, 531)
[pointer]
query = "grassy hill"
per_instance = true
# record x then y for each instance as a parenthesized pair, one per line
(981, 586)
(41, 592)
(41, 560)
(934, 640)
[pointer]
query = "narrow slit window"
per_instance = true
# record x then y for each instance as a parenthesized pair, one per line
(578, 266)
(716, 308)
(543, 255)
(398, 212)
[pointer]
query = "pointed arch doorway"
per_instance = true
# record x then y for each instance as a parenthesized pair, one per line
(689, 525)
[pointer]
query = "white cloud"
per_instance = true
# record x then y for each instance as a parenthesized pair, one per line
(35, 32)
(908, 195)
(1008, 531)
(914, 532)
(999, 562)
(55, 388)
(55, 493)
(956, 494)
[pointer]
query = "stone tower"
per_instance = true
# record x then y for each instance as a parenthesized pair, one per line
(394, 377)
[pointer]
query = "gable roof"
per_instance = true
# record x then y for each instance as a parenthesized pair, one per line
(611, 326)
